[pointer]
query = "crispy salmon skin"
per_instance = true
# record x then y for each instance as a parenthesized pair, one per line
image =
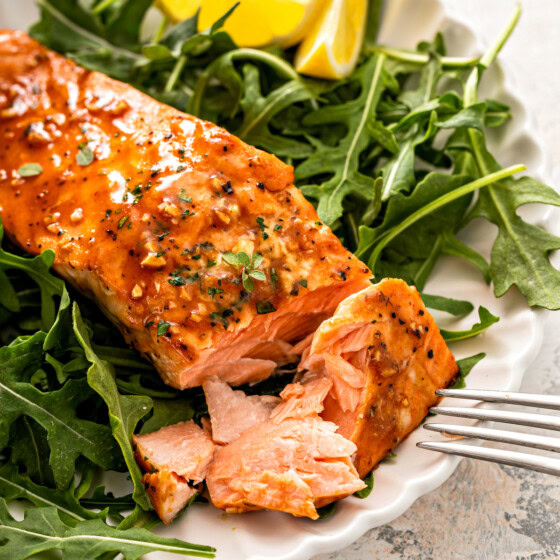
(140, 203)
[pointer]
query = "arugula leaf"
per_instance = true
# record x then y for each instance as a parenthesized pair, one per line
(368, 480)
(123, 26)
(342, 161)
(29, 449)
(134, 385)
(435, 204)
(124, 411)
(327, 511)
(373, 21)
(486, 321)
(68, 435)
(465, 367)
(37, 268)
(42, 529)
(166, 413)
(456, 307)
(114, 506)
(14, 486)
(520, 253)
(258, 111)
(68, 27)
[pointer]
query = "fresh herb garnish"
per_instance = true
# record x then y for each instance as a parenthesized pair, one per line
(182, 196)
(30, 170)
(262, 227)
(214, 291)
(264, 307)
(248, 266)
(84, 156)
(163, 327)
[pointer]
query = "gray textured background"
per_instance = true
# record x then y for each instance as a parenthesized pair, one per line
(487, 512)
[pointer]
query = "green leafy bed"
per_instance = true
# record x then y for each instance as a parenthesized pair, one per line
(395, 159)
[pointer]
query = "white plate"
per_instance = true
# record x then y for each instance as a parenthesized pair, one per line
(510, 346)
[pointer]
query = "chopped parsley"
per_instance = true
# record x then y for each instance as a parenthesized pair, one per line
(177, 281)
(162, 328)
(264, 307)
(262, 226)
(216, 317)
(214, 291)
(122, 222)
(303, 283)
(182, 196)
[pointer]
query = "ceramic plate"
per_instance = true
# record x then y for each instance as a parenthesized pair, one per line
(510, 346)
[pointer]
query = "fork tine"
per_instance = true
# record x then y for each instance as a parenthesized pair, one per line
(525, 399)
(515, 438)
(511, 458)
(520, 418)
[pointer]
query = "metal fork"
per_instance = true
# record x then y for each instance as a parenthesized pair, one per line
(513, 458)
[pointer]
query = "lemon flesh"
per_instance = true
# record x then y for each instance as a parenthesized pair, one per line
(331, 48)
(254, 23)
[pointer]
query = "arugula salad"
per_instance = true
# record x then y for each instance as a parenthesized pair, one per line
(396, 161)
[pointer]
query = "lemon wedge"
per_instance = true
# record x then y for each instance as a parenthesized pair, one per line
(254, 23)
(332, 46)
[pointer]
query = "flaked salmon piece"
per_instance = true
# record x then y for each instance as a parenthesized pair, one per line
(176, 458)
(234, 412)
(293, 466)
(302, 401)
(168, 492)
(183, 448)
(385, 356)
(140, 202)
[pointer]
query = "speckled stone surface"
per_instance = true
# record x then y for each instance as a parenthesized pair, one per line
(484, 511)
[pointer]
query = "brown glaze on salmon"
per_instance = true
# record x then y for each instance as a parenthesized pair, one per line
(143, 226)
(385, 357)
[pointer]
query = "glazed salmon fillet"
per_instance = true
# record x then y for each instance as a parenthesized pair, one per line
(385, 356)
(140, 202)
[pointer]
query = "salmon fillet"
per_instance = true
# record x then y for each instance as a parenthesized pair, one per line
(233, 412)
(294, 462)
(183, 448)
(176, 459)
(385, 357)
(140, 202)
(168, 492)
